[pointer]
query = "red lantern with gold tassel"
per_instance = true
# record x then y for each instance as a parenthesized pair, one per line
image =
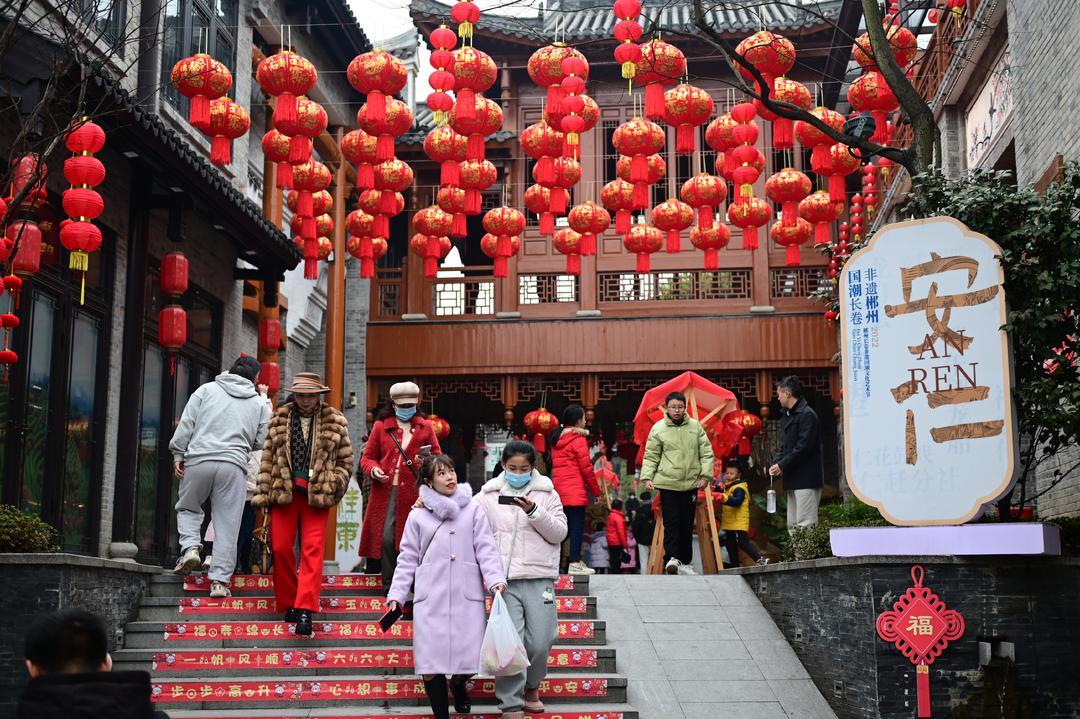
(628, 33)
(568, 242)
(361, 149)
(745, 171)
(672, 217)
(686, 108)
(704, 192)
(773, 55)
(396, 121)
(575, 70)
(444, 146)
(228, 121)
(466, 14)
(368, 250)
(503, 222)
(286, 76)
(545, 69)
(871, 93)
(201, 79)
(657, 170)
(489, 245)
(474, 73)
(711, 240)
(275, 147)
(589, 220)
(433, 222)
(538, 202)
(377, 74)
(452, 201)
(749, 216)
(788, 188)
(819, 210)
(441, 79)
(84, 171)
(483, 119)
(661, 64)
(539, 424)
(643, 240)
(791, 236)
(793, 93)
(476, 176)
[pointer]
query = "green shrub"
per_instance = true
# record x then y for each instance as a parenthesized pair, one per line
(807, 543)
(851, 513)
(24, 532)
(813, 542)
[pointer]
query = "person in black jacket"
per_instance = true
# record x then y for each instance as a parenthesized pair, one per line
(642, 527)
(799, 460)
(71, 673)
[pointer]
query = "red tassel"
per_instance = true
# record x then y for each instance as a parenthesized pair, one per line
(299, 149)
(384, 147)
(502, 267)
(554, 95)
(381, 226)
(472, 202)
(819, 159)
(305, 204)
(431, 267)
(308, 228)
(475, 147)
(366, 252)
(881, 129)
(365, 176)
(684, 139)
(573, 264)
(547, 224)
(654, 101)
(643, 265)
(465, 106)
(539, 443)
(376, 107)
(712, 259)
(199, 114)
(220, 150)
(922, 689)
(705, 217)
(749, 238)
(283, 179)
(450, 173)
(460, 227)
(311, 259)
(674, 245)
(822, 233)
(558, 201)
(367, 268)
(622, 221)
(744, 445)
(588, 244)
(792, 258)
(640, 198)
(789, 213)
(639, 168)
(387, 202)
(285, 110)
(837, 188)
(502, 246)
(545, 171)
(783, 133)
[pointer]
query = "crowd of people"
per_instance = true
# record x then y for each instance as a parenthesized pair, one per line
(440, 549)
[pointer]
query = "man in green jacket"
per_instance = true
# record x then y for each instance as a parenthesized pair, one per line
(678, 462)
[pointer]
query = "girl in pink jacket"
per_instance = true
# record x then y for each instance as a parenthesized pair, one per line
(529, 529)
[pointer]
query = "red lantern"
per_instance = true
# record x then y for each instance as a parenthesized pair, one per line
(174, 274)
(270, 375)
(309, 178)
(321, 202)
(686, 108)
(377, 74)
(80, 239)
(431, 249)
(589, 220)
(445, 146)
(489, 245)
(200, 78)
(871, 93)
(539, 424)
(474, 73)
(484, 118)
(718, 134)
(275, 147)
(359, 223)
(286, 76)
(567, 174)
(819, 210)
(25, 235)
(546, 70)
(310, 122)
(84, 170)
(452, 201)
(324, 225)
(749, 216)
(791, 236)
(618, 197)
(704, 192)
(638, 139)
(543, 143)
(82, 203)
(270, 334)
(172, 327)
(711, 240)
(575, 73)
(751, 426)
(368, 250)
(466, 14)
(440, 426)
(787, 188)
(228, 121)
(902, 44)
(672, 216)
(476, 175)
(505, 223)
(661, 64)
(361, 149)
(85, 137)
(745, 170)
(812, 137)
(568, 242)
(841, 164)
(432, 220)
(538, 202)
(391, 177)
(396, 121)
(643, 240)
(793, 93)
(655, 171)
(773, 55)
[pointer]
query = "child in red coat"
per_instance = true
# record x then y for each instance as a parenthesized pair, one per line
(617, 541)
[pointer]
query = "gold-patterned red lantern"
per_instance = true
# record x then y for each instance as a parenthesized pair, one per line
(686, 108)
(842, 162)
(589, 220)
(643, 240)
(902, 44)
(704, 192)
(672, 217)
(751, 426)
(568, 242)
(638, 139)
(322, 202)
(575, 74)
(484, 118)
(359, 223)
(391, 177)
(309, 178)
(656, 170)
(540, 423)
(432, 220)
(718, 133)
(744, 167)
(439, 426)
(567, 174)
(628, 33)
(618, 197)
(711, 240)
(360, 148)
(661, 64)
(431, 249)
(324, 225)
(538, 201)
(286, 76)
(201, 79)
(452, 200)
(819, 210)
(791, 236)
(793, 93)
(368, 250)
(228, 121)
(817, 140)
(275, 147)
(505, 223)
(310, 122)
(546, 70)
(489, 245)
(749, 216)
(396, 121)
(441, 79)
(871, 93)
(474, 73)
(476, 176)
(543, 143)
(773, 55)
(26, 236)
(787, 188)
(447, 148)
(377, 74)
(466, 14)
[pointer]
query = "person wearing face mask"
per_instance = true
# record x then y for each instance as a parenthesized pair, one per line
(306, 464)
(447, 556)
(391, 459)
(529, 526)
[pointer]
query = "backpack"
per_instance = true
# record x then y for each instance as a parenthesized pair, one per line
(644, 525)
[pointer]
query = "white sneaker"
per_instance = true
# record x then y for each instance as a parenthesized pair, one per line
(672, 567)
(219, 590)
(580, 568)
(687, 570)
(763, 561)
(189, 559)
(209, 560)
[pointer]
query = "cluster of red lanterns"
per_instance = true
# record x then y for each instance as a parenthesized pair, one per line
(955, 8)
(870, 92)
(206, 82)
(172, 319)
(504, 226)
(79, 235)
(432, 239)
(270, 333)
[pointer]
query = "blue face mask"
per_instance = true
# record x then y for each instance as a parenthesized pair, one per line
(517, 481)
(405, 414)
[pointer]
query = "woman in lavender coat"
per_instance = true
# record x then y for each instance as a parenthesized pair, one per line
(448, 550)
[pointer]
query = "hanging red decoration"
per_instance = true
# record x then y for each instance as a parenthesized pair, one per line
(368, 250)
(773, 55)
(538, 202)
(791, 236)
(841, 164)
(270, 375)
(704, 192)
(819, 210)
(546, 70)
(672, 217)
(484, 118)
(324, 224)
(618, 197)
(902, 44)
(643, 240)
(391, 177)
(489, 245)
(787, 188)
(661, 64)
(440, 426)
(628, 33)
(324, 247)
(448, 149)
(275, 146)
(567, 174)
(542, 143)
(359, 223)
(361, 149)
(466, 14)
(575, 71)
(228, 121)
(540, 423)
(589, 220)
(793, 93)
(568, 242)
(751, 426)
(452, 200)
(749, 216)
(431, 250)
(718, 133)
(377, 74)
(25, 235)
(503, 222)
(201, 79)
(815, 139)
(590, 113)
(310, 122)
(286, 76)
(321, 203)
(638, 139)
(441, 79)
(174, 274)
(397, 120)
(172, 327)
(309, 178)
(84, 171)
(711, 240)
(686, 108)
(270, 334)
(474, 73)
(432, 222)
(871, 93)
(476, 176)
(744, 168)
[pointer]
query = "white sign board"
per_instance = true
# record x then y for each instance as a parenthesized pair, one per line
(350, 516)
(929, 432)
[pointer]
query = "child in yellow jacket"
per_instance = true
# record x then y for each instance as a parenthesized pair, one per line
(735, 516)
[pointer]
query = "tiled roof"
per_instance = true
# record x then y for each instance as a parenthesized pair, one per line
(403, 46)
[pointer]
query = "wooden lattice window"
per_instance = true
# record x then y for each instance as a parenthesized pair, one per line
(800, 282)
(680, 286)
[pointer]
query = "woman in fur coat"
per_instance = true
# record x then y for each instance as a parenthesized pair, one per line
(306, 464)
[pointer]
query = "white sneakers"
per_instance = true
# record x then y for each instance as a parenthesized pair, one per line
(188, 561)
(219, 590)
(687, 570)
(674, 566)
(580, 568)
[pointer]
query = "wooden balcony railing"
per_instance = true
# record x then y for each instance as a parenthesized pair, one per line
(796, 282)
(674, 286)
(546, 289)
(464, 292)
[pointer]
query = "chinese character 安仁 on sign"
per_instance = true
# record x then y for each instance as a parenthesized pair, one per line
(928, 422)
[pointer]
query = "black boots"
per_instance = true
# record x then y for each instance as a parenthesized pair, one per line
(459, 687)
(436, 691)
(303, 622)
(292, 615)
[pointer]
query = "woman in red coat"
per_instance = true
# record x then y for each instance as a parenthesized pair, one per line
(574, 478)
(390, 459)
(617, 540)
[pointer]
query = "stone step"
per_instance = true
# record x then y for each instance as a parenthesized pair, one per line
(260, 692)
(183, 609)
(576, 711)
(320, 662)
(252, 634)
(169, 584)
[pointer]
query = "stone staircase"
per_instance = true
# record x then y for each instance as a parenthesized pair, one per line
(235, 659)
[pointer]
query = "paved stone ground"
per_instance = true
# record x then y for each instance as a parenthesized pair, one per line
(702, 647)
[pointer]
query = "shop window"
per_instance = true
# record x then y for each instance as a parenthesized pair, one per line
(193, 26)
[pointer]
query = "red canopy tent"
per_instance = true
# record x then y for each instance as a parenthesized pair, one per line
(716, 408)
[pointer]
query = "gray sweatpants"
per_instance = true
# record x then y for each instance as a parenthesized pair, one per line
(223, 483)
(532, 607)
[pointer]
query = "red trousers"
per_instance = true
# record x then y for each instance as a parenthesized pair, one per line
(292, 591)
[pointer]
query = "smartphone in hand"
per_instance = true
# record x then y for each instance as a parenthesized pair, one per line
(425, 450)
(505, 499)
(387, 620)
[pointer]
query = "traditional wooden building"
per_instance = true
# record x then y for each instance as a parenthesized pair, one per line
(488, 350)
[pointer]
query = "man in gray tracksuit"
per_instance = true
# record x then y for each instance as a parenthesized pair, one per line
(223, 422)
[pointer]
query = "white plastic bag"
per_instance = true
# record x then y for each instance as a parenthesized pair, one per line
(502, 654)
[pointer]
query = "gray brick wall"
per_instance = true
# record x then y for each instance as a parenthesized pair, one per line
(1062, 499)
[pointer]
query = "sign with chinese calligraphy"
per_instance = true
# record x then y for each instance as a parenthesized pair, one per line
(929, 434)
(350, 514)
(921, 627)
